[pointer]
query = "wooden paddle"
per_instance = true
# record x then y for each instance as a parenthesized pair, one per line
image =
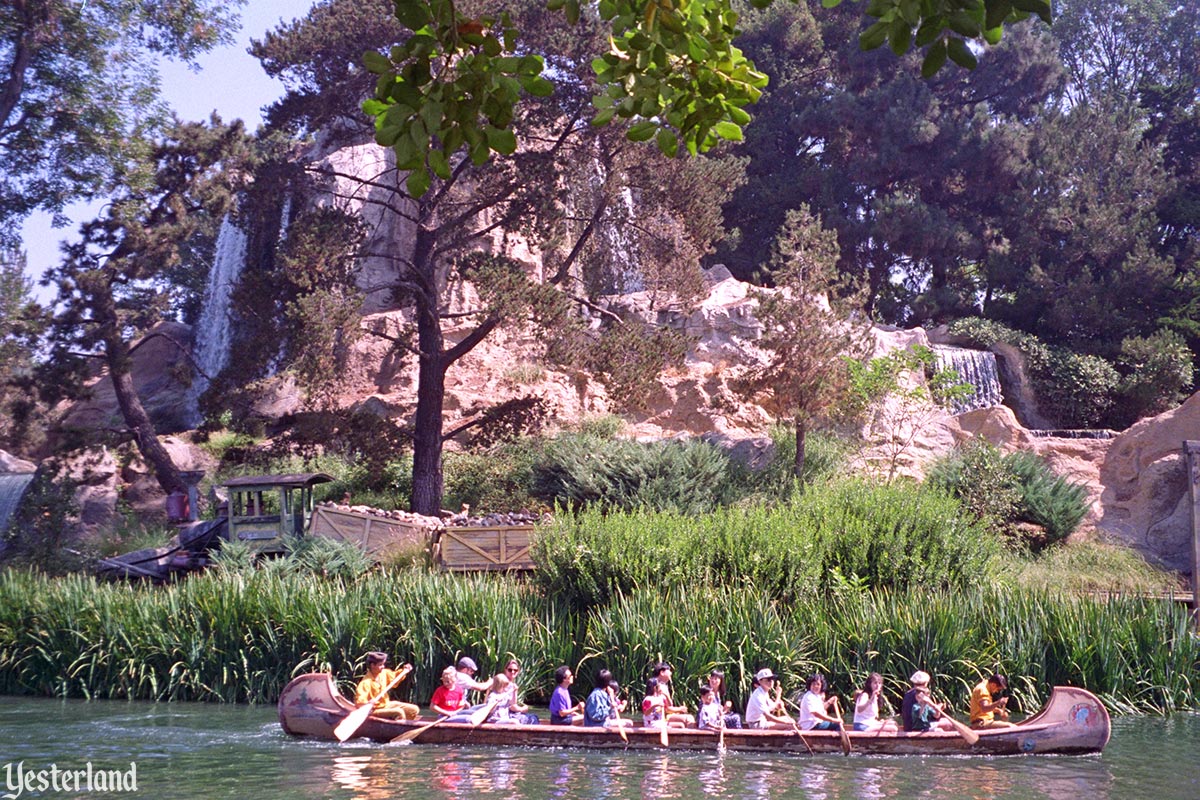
(355, 719)
(841, 726)
(964, 731)
(480, 716)
(413, 734)
(721, 737)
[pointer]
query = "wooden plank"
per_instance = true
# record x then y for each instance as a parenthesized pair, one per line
(474, 548)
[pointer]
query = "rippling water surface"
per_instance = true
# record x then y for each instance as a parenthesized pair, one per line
(208, 751)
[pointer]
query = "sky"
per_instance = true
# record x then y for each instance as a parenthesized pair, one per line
(230, 81)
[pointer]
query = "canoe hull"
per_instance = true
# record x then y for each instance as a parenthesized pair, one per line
(1074, 721)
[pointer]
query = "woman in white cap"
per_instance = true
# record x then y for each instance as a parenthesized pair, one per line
(918, 712)
(764, 711)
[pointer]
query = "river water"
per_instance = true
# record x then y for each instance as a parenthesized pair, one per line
(196, 751)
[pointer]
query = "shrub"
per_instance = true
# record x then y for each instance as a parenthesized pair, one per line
(977, 475)
(824, 457)
(1157, 371)
(495, 479)
(579, 470)
(1047, 499)
(1019, 487)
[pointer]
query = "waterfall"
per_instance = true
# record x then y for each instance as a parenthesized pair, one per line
(212, 336)
(12, 487)
(976, 367)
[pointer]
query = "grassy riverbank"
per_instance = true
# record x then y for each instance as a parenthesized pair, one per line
(241, 635)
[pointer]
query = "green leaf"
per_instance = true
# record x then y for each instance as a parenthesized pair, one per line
(537, 86)
(831, 3)
(555, 5)
(738, 115)
(417, 183)
(929, 31)
(910, 10)
(994, 35)
(899, 37)
(572, 7)
(373, 108)
(961, 54)
(1039, 7)
(997, 13)
(873, 36)
(729, 130)
(480, 153)
(667, 143)
(641, 131)
(412, 13)
(604, 117)
(502, 140)
(934, 59)
(376, 62)
(492, 46)
(440, 164)
(965, 24)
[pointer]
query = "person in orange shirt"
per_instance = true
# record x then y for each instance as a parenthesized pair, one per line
(375, 681)
(987, 712)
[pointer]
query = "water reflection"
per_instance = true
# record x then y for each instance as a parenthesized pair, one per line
(241, 753)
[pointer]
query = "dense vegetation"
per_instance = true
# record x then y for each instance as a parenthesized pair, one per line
(240, 635)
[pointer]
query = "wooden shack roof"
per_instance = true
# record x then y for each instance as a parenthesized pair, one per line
(297, 480)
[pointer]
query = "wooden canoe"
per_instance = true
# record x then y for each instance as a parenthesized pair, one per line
(1074, 721)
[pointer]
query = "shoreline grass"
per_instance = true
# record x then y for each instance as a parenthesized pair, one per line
(239, 636)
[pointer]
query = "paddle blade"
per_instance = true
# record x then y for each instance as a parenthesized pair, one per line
(353, 721)
(480, 716)
(847, 749)
(662, 736)
(964, 731)
(409, 736)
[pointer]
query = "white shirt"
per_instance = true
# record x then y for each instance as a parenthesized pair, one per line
(866, 713)
(759, 704)
(809, 704)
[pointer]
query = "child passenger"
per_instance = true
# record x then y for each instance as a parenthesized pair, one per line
(866, 707)
(711, 715)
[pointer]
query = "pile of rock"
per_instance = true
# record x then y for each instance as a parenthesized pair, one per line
(463, 519)
(407, 517)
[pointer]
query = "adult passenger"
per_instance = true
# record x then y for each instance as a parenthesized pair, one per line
(989, 706)
(561, 710)
(601, 709)
(465, 679)
(375, 681)
(763, 711)
(815, 714)
(518, 711)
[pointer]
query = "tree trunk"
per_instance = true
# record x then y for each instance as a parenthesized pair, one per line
(165, 470)
(431, 388)
(801, 435)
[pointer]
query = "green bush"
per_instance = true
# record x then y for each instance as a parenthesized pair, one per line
(1157, 372)
(977, 474)
(1006, 489)
(498, 478)
(578, 470)
(849, 532)
(824, 457)
(1047, 499)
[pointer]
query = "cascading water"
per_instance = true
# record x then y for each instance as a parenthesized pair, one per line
(12, 487)
(213, 331)
(976, 367)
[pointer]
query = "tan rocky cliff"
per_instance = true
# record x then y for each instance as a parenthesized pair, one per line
(1135, 482)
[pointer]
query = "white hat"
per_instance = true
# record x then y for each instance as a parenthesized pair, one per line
(762, 674)
(919, 678)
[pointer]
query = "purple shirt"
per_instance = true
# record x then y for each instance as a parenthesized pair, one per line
(560, 706)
